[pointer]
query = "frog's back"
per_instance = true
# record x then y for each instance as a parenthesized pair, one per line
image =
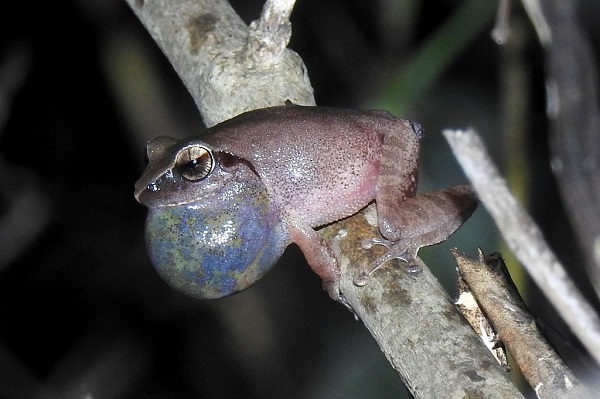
(320, 164)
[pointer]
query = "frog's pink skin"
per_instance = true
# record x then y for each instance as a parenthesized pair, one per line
(323, 164)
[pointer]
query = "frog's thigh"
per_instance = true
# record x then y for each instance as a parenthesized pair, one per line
(398, 171)
(432, 217)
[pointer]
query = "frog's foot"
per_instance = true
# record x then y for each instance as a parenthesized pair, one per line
(396, 250)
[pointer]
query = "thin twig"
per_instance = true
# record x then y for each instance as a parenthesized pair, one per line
(571, 76)
(271, 33)
(490, 282)
(525, 239)
(501, 31)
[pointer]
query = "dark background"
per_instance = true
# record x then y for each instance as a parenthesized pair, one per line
(82, 87)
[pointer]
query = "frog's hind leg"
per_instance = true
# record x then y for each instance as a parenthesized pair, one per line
(398, 171)
(420, 221)
(398, 175)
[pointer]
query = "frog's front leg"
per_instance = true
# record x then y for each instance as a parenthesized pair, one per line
(320, 257)
(409, 222)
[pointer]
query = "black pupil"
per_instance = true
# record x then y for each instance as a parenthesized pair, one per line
(197, 168)
(193, 164)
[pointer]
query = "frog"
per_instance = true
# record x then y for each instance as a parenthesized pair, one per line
(224, 206)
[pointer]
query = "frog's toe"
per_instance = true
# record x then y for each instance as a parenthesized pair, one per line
(368, 243)
(396, 250)
(413, 268)
(362, 279)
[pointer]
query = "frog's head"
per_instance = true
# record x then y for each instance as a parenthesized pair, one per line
(211, 229)
(178, 173)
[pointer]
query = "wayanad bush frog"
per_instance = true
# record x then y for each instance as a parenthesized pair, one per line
(223, 208)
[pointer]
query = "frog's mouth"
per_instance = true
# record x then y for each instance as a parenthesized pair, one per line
(172, 189)
(153, 174)
(152, 193)
(158, 162)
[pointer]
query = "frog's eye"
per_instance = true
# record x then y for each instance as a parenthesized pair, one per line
(195, 162)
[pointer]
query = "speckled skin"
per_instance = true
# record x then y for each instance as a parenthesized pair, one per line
(297, 168)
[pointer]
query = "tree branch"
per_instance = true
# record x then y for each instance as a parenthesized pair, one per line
(230, 68)
(415, 323)
(227, 74)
